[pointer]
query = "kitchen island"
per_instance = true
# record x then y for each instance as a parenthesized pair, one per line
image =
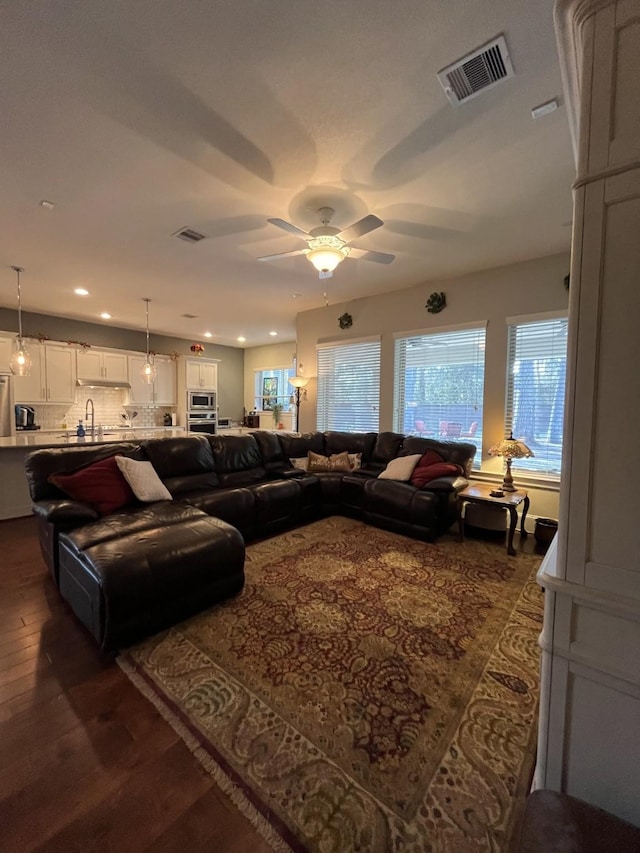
(15, 500)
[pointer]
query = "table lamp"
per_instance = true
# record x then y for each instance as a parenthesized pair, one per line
(510, 448)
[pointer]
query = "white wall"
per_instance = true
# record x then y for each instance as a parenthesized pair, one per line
(490, 296)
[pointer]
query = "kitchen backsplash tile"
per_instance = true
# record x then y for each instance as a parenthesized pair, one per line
(109, 403)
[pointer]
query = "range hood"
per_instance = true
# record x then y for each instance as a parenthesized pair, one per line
(101, 383)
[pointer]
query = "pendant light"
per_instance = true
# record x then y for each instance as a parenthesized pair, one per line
(20, 361)
(148, 372)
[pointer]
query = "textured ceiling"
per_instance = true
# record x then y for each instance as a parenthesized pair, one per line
(139, 118)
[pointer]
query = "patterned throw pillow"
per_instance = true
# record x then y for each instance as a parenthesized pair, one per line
(355, 461)
(400, 468)
(143, 479)
(100, 485)
(335, 462)
(300, 462)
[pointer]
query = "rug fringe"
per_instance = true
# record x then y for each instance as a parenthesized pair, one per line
(235, 794)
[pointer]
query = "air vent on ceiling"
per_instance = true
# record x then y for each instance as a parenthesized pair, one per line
(189, 235)
(478, 71)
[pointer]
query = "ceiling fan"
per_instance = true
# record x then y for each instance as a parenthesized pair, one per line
(327, 246)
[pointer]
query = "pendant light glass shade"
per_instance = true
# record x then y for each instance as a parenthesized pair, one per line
(148, 371)
(20, 361)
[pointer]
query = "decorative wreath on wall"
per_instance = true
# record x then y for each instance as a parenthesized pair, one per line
(345, 321)
(436, 302)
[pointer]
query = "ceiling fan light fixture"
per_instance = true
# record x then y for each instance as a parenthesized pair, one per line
(325, 258)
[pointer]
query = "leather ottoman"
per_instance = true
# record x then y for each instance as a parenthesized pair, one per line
(138, 575)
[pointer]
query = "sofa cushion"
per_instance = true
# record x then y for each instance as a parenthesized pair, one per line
(144, 482)
(386, 447)
(40, 464)
(296, 446)
(273, 456)
(237, 459)
(335, 462)
(180, 457)
(352, 442)
(101, 485)
(400, 469)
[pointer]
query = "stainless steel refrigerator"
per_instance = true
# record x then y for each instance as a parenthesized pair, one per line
(7, 417)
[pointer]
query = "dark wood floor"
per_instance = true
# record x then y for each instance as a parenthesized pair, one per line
(86, 763)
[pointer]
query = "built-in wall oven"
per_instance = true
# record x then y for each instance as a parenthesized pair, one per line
(201, 401)
(201, 421)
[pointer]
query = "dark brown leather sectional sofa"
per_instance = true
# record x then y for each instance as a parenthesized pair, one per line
(146, 566)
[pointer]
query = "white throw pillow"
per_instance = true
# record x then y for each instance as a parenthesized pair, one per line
(300, 462)
(400, 468)
(145, 483)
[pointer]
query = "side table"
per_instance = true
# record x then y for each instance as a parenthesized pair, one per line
(480, 493)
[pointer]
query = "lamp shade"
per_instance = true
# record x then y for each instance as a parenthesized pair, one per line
(148, 372)
(298, 381)
(511, 448)
(325, 259)
(20, 361)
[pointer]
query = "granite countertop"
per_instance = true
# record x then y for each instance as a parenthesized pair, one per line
(60, 438)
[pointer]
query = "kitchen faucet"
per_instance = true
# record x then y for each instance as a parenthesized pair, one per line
(86, 415)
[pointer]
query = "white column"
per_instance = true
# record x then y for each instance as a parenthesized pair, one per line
(589, 743)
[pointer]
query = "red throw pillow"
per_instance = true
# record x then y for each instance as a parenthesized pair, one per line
(430, 467)
(101, 485)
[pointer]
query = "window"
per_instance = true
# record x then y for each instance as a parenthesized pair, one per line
(271, 387)
(536, 374)
(439, 385)
(349, 387)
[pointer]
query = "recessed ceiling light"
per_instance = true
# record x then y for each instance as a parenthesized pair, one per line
(208, 335)
(241, 339)
(295, 295)
(48, 205)
(80, 291)
(273, 334)
(105, 315)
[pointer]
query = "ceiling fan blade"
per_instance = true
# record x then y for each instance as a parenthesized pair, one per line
(377, 257)
(359, 228)
(283, 255)
(287, 226)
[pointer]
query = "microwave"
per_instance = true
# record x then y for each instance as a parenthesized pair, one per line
(201, 400)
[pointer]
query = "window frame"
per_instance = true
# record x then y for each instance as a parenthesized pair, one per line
(430, 423)
(530, 468)
(328, 400)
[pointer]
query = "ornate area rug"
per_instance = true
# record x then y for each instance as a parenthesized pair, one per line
(365, 691)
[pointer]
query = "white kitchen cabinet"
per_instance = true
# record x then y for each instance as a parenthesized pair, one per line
(164, 388)
(6, 348)
(52, 378)
(201, 374)
(140, 394)
(101, 365)
(162, 392)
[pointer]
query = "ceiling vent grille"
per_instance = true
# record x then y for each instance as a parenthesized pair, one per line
(189, 235)
(477, 72)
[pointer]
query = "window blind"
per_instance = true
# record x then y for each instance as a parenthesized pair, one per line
(439, 385)
(349, 387)
(536, 378)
